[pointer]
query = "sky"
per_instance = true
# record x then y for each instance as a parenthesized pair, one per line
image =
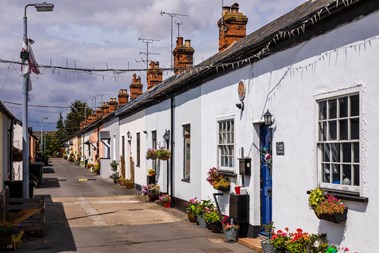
(101, 34)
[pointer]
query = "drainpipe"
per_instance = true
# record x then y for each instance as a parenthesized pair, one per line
(11, 153)
(172, 131)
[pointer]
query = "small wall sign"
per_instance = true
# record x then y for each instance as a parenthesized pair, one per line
(280, 148)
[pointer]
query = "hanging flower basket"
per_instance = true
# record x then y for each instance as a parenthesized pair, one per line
(163, 154)
(151, 154)
(335, 218)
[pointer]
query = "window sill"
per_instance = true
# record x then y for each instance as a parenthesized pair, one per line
(187, 180)
(227, 173)
(346, 196)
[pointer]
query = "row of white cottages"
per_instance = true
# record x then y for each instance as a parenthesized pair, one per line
(316, 70)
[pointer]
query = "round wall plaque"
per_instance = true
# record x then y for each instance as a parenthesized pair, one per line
(241, 90)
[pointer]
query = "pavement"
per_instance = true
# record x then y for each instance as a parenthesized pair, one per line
(87, 213)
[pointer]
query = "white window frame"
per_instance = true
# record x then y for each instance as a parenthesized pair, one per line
(327, 97)
(231, 135)
(185, 149)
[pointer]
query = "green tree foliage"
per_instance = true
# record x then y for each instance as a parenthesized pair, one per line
(61, 131)
(78, 111)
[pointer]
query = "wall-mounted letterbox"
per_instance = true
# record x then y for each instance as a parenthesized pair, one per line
(245, 166)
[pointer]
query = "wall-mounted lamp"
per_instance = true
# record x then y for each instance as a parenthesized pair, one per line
(145, 132)
(241, 106)
(129, 136)
(166, 136)
(268, 118)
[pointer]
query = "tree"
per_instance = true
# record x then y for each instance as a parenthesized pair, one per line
(61, 131)
(78, 111)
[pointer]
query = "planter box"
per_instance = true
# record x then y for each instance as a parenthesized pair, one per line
(12, 241)
(151, 179)
(191, 217)
(231, 235)
(336, 218)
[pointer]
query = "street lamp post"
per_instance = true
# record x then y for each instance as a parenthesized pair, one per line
(25, 136)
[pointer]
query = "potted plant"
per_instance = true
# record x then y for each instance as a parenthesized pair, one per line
(219, 182)
(10, 234)
(163, 153)
(230, 229)
(151, 154)
(152, 191)
(151, 176)
(327, 207)
(191, 209)
(165, 200)
(279, 239)
(115, 175)
(199, 211)
(212, 217)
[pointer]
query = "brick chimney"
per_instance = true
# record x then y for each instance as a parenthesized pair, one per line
(232, 26)
(105, 108)
(113, 105)
(99, 113)
(135, 87)
(123, 97)
(91, 119)
(183, 55)
(154, 74)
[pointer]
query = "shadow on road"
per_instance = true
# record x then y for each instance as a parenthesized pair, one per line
(57, 237)
(49, 183)
(48, 170)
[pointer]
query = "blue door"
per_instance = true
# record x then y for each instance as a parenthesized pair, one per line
(266, 175)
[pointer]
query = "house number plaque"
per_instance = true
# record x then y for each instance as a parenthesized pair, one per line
(280, 148)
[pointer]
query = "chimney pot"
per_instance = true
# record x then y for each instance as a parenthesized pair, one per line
(179, 41)
(188, 43)
(225, 9)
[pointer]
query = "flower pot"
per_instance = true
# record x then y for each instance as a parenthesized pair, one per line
(167, 205)
(224, 189)
(152, 197)
(216, 227)
(201, 222)
(335, 218)
(191, 217)
(231, 235)
(151, 179)
(12, 241)
(129, 185)
(237, 190)
(267, 246)
(209, 226)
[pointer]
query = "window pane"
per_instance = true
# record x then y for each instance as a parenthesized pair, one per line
(346, 175)
(326, 173)
(354, 105)
(343, 107)
(336, 174)
(354, 129)
(356, 175)
(343, 129)
(332, 130)
(356, 152)
(335, 152)
(326, 152)
(346, 152)
(332, 109)
(322, 108)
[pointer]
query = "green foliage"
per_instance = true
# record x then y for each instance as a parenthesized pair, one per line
(315, 198)
(78, 111)
(212, 216)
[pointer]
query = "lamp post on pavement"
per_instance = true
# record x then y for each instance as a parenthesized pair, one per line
(25, 136)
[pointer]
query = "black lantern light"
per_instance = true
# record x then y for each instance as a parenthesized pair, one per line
(166, 136)
(267, 118)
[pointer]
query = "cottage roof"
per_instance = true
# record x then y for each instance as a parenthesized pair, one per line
(5, 110)
(275, 36)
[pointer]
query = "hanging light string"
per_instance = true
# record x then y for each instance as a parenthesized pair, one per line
(265, 50)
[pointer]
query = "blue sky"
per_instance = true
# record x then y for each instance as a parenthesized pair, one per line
(100, 34)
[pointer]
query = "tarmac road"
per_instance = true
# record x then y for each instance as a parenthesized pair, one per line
(85, 213)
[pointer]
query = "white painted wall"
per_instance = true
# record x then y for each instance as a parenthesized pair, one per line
(3, 139)
(17, 142)
(134, 124)
(113, 127)
(287, 83)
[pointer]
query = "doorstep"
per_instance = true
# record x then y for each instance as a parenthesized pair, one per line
(252, 243)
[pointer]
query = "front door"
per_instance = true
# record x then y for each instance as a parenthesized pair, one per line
(266, 174)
